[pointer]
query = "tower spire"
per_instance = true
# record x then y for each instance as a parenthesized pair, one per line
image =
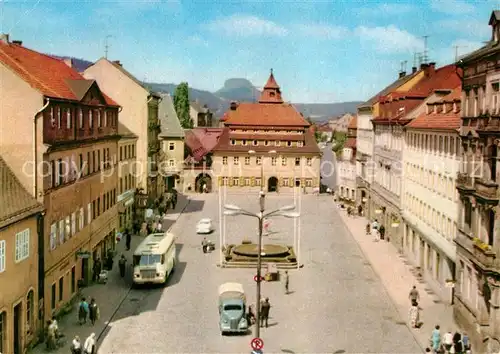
(271, 92)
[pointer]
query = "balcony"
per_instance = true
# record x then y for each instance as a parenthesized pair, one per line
(484, 254)
(487, 191)
(465, 182)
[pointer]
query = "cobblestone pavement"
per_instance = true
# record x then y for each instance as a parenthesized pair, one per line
(108, 296)
(337, 302)
(397, 278)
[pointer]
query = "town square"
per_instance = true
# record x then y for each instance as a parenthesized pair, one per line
(249, 177)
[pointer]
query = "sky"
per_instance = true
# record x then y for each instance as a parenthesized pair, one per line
(320, 51)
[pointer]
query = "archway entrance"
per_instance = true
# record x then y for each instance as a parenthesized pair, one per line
(170, 182)
(272, 184)
(363, 197)
(203, 180)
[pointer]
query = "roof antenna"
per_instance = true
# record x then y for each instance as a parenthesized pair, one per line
(425, 57)
(106, 45)
(403, 66)
(271, 71)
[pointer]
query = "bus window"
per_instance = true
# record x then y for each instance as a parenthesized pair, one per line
(162, 259)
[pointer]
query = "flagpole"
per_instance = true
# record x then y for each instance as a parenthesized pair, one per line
(221, 244)
(224, 216)
(298, 229)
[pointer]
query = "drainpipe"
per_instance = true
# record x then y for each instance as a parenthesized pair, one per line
(35, 145)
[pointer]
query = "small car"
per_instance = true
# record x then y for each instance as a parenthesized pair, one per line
(204, 226)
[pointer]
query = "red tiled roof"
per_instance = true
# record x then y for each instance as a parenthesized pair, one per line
(353, 124)
(271, 82)
(267, 136)
(265, 114)
(443, 78)
(310, 145)
(454, 96)
(48, 75)
(350, 143)
(448, 121)
(194, 144)
(208, 137)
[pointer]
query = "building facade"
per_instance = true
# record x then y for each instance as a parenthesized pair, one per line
(172, 145)
(347, 166)
(429, 203)
(200, 115)
(67, 146)
(20, 229)
(127, 178)
(139, 115)
(477, 292)
(268, 144)
(341, 123)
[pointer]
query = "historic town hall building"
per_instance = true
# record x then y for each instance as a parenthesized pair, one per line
(266, 143)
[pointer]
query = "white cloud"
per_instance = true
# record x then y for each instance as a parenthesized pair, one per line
(319, 31)
(247, 26)
(465, 46)
(476, 28)
(389, 40)
(452, 6)
(386, 9)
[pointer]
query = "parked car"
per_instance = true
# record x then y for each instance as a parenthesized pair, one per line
(204, 226)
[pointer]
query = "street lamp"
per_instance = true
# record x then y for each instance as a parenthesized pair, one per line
(286, 211)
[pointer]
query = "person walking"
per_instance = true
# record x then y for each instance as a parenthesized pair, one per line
(436, 339)
(83, 310)
(89, 345)
(287, 282)
(122, 263)
(50, 340)
(448, 341)
(382, 232)
(458, 345)
(465, 341)
(128, 239)
(414, 315)
(264, 312)
(414, 296)
(76, 346)
(93, 311)
(96, 270)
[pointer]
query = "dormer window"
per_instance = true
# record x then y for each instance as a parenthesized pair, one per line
(428, 109)
(435, 110)
(266, 143)
(288, 143)
(233, 142)
(244, 142)
(255, 143)
(277, 143)
(91, 120)
(444, 107)
(272, 94)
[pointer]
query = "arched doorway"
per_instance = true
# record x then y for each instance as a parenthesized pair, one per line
(272, 184)
(203, 179)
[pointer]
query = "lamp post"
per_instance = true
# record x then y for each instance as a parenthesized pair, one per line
(286, 211)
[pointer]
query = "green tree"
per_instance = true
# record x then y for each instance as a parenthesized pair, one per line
(339, 139)
(181, 104)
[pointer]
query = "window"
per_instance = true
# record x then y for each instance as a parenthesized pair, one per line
(236, 181)
(2, 263)
(289, 143)
(266, 143)
(309, 161)
(81, 219)
(22, 245)
(258, 182)
(273, 161)
(286, 182)
(300, 143)
(247, 181)
(68, 118)
(53, 296)
(30, 302)
(91, 120)
(80, 118)
(283, 161)
(233, 142)
(73, 223)
(297, 161)
(73, 280)
(99, 123)
(258, 160)
(277, 143)
(171, 163)
(236, 160)
(89, 213)
(58, 117)
(244, 142)
(60, 172)
(255, 143)
(67, 224)
(53, 236)
(247, 160)
(171, 146)
(61, 288)
(224, 160)
(61, 231)
(105, 118)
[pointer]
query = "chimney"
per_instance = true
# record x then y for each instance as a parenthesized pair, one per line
(4, 37)
(424, 66)
(430, 69)
(68, 62)
(117, 62)
(414, 70)
(17, 42)
(234, 105)
(402, 74)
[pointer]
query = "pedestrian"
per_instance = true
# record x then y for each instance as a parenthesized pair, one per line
(250, 315)
(427, 350)
(96, 269)
(50, 340)
(287, 282)
(368, 228)
(83, 310)
(360, 210)
(448, 341)
(465, 341)
(159, 226)
(93, 311)
(121, 265)
(89, 345)
(76, 346)
(436, 339)
(414, 296)
(457, 343)
(414, 315)
(264, 312)
(382, 232)
(128, 239)
(204, 245)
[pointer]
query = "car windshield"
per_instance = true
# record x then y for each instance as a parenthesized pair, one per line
(204, 222)
(149, 259)
(232, 308)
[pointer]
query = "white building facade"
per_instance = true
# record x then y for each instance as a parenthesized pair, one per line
(364, 154)
(347, 166)
(429, 203)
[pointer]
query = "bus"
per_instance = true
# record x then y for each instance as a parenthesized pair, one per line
(154, 259)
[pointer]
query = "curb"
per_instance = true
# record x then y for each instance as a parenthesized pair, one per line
(392, 302)
(122, 300)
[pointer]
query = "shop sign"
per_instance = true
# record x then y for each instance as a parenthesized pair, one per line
(125, 195)
(83, 254)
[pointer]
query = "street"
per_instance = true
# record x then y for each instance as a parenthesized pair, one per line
(337, 304)
(329, 167)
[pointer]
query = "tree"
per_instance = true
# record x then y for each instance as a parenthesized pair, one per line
(339, 139)
(181, 104)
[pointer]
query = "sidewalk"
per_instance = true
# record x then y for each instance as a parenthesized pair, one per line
(108, 296)
(398, 279)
